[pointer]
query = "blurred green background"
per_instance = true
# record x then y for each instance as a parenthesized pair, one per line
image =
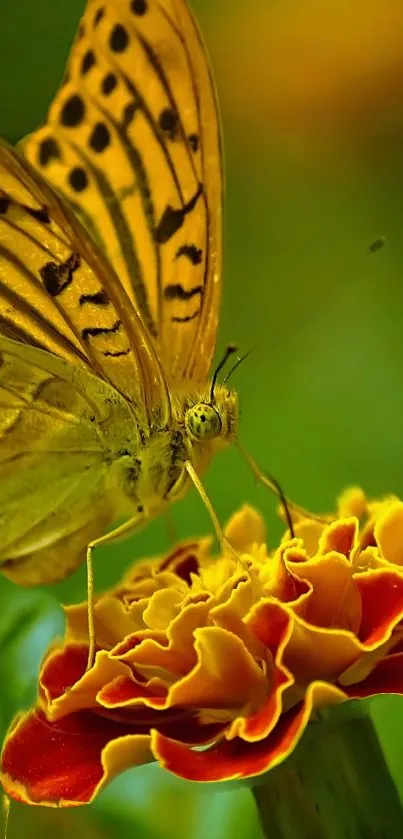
(312, 106)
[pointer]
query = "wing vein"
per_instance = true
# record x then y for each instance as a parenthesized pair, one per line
(157, 66)
(140, 101)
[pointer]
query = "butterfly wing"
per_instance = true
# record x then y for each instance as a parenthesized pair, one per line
(63, 314)
(58, 292)
(53, 468)
(132, 140)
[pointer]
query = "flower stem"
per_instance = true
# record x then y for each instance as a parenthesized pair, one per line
(336, 785)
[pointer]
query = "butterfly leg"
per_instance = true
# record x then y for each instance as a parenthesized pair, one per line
(221, 538)
(273, 485)
(121, 531)
(6, 809)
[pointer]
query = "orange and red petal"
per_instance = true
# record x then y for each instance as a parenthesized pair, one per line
(62, 668)
(308, 652)
(124, 691)
(271, 623)
(386, 677)
(225, 676)
(382, 605)
(172, 650)
(65, 685)
(334, 600)
(388, 533)
(231, 759)
(258, 725)
(340, 536)
(66, 763)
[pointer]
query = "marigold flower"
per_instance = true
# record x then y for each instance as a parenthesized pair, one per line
(215, 666)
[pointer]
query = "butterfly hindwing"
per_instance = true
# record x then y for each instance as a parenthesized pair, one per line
(132, 140)
(53, 461)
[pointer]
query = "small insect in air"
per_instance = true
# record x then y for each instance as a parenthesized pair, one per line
(377, 244)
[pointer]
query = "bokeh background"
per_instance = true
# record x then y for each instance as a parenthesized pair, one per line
(311, 98)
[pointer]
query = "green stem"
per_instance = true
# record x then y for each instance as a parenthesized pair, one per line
(336, 785)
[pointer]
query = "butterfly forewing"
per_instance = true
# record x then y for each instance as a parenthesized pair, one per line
(57, 292)
(132, 140)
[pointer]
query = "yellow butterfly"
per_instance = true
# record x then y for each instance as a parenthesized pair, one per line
(109, 300)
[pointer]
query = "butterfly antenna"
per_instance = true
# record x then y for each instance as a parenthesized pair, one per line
(229, 351)
(239, 361)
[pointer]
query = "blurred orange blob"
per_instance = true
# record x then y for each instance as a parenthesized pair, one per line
(311, 74)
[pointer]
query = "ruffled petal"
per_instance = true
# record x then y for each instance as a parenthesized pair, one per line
(66, 763)
(385, 677)
(225, 676)
(381, 594)
(228, 760)
(67, 686)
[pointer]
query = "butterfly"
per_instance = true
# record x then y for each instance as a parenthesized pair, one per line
(110, 282)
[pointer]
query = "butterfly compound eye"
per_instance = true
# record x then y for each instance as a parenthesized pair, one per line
(202, 422)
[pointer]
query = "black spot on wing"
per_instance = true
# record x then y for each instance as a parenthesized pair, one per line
(88, 61)
(186, 318)
(128, 114)
(73, 111)
(172, 219)
(94, 331)
(56, 276)
(193, 141)
(108, 84)
(100, 137)
(98, 15)
(99, 298)
(78, 179)
(48, 150)
(139, 7)
(192, 253)
(177, 292)
(119, 38)
(40, 215)
(116, 354)
(168, 123)
(4, 204)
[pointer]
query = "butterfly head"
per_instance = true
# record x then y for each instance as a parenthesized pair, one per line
(213, 419)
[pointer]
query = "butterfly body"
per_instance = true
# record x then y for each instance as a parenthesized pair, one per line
(110, 281)
(151, 472)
